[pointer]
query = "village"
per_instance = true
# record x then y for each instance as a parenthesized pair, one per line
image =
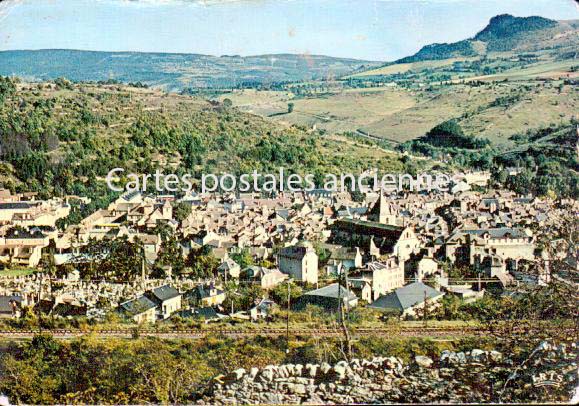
(192, 256)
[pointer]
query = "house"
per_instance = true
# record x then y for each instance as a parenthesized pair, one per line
(343, 257)
(205, 237)
(465, 292)
(300, 262)
(271, 278)
(426, 266)
(22, 246)
(421, 266)
(32, 213)
(141, 309)
(376, 238)
(382, 212)
(206, 295)
(151, 245)
(361, 287)
(493, 266)
(200, 313)
(267, 278)
(229, 269)
(386, 275)
(508, 243)
(328, 297)
(262, 309)
(405, 301)
(167, 300)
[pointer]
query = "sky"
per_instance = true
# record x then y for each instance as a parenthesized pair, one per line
(380, 30)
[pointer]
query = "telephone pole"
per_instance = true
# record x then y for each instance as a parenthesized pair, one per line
(424, 321)
(288, 315)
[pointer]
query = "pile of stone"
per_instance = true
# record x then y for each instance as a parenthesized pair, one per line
(474, 376)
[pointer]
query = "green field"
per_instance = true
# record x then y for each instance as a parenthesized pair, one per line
(399, 114)
(16, 272)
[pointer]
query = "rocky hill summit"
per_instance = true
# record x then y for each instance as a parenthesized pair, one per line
(549, 373)
(505, 33)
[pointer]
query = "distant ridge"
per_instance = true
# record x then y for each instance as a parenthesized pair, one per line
(503, 33)
(173, 71)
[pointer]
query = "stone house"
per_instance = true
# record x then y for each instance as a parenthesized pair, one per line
(229, 269)
(267, 278)
(300, 262)
(203, 296)
(508, 243)
(408, 300)
(386, 275)
(376, 238)
(20, 246)
(328, 297)
(361, 287)
(167, 300)
(141, 309)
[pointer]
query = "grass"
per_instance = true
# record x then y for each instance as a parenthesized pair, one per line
(399, 115)
(551, 70)
(405, 67)
(17, 272)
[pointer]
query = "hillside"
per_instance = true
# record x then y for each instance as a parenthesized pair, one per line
(494, 110)
(63, 138)
(516, 48)
(505, 33)
(173, 71)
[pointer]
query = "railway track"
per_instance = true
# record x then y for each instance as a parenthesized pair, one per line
(271, 332)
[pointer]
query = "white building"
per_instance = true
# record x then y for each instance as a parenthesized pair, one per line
(300, 262)
(386, 276)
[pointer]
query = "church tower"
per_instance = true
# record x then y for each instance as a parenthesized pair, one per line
(382, 212)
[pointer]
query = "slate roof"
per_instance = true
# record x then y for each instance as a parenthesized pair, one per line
(320, 192)
(388, 231)
(265, 304)
(227, 265)
(405, 297)
(130, 195)
(359, 283)
(295, 252)
(20, 233)
(497, 232)
(488, 201)
(138, 305)
(165, 292)
(332, 291)
(283, 213)
(14, 205)
(202, 292)
(358, 210)
(199, 313)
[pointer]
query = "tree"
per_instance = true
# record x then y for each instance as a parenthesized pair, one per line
(181, 211)
(163, 230)
(227, 104)
(279, 293)
(290, 108)
(7, 88)
(322, 253)
(449, 134)
(118, 259)
(202, 262)
(242, 298)
(170, 254)
(243, 258)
